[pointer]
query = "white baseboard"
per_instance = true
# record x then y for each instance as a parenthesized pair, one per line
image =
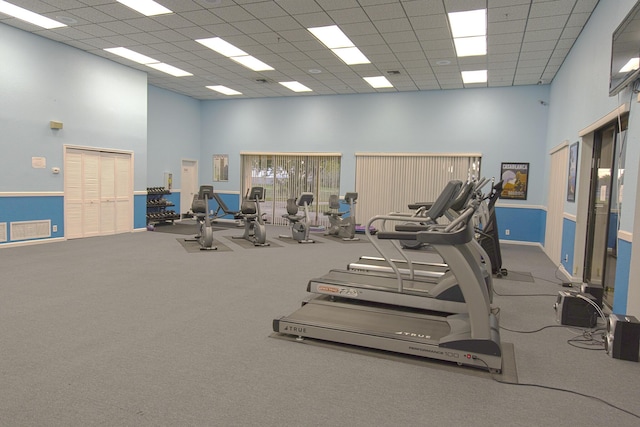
(32, 242)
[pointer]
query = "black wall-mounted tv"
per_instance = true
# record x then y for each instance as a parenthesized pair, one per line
(625, 47)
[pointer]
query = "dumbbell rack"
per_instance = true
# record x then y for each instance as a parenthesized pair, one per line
(157, 205)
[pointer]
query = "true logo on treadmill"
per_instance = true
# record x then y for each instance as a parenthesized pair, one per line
(325, 288)
(295, 329)
(413, 335)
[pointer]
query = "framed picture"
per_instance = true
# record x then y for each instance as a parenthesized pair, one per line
(573, 171)
(220, 167)
(515, 178)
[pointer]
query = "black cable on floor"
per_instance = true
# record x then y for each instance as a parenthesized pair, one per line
(534, 331)
(558, 389)
(588, 340)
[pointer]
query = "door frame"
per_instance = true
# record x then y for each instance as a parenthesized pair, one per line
(584, 184)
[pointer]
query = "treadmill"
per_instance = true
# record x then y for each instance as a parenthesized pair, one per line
(389, 284)
(470, 339)
(431, 211)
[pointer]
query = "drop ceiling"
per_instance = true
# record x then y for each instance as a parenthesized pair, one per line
(408, 41)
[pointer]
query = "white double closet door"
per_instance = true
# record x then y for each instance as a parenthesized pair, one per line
(98, 192)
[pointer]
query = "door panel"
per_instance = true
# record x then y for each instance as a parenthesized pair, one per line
(123, 192)
(91, 194)
(73, 194)
(189, 186)
(107, 194)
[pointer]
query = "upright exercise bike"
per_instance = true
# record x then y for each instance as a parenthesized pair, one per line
(341, 225)
(299, 223)
(200, 208)
(255, 230)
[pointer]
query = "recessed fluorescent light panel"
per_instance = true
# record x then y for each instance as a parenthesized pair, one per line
(295, 86)
(378, 82)
(251, 63)
(222, 47)
(230, 51)
(351, 56)
(146, 7)
(468, 23)
(28, 16)
(469, 31)
(477, 76)
(169, 69)
(224, 90)
(471, 46)
(145, 60)
(332, 37)
(131, 55)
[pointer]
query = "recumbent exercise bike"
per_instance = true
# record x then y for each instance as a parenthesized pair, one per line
(299, 223)
(341, 226)
(255, 230)
(200, 208)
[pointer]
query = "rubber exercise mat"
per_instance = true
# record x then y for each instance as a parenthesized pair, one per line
(193, 247)
(245, 244)
(181, 228)
(519, 276)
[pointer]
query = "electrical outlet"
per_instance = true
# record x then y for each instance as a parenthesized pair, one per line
(507, 232)
(54, 228)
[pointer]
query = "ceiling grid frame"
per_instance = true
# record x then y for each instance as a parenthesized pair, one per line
(527, 41)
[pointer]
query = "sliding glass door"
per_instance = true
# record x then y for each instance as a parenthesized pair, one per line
(605, 200)
(286, 176)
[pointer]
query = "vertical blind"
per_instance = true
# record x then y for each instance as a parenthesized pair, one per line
(286, 176)
(389, 182)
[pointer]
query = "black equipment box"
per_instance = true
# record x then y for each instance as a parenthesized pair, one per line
(574, 309)
(593, 289)
(623, 337)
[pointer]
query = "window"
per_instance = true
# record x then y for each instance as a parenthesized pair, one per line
(286, 176)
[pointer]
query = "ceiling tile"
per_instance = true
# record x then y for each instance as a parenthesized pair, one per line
(527, 40)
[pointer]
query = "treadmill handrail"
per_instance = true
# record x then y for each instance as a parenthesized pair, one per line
(462, 219)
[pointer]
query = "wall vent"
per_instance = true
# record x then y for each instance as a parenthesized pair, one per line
(24, 230)
(3, 231)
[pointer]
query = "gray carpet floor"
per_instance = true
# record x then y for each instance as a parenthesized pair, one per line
(133, 330)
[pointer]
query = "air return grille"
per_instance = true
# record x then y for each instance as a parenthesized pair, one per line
(24, 230)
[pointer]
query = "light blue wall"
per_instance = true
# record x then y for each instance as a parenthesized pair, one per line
(101, 104)
(568, 244)
(580, 91)
(579, 97)
(620, 296)
(504, 124)
(174, 134)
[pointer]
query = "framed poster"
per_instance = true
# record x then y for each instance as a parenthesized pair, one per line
(573, 170)
(515, 178)
(220, 167)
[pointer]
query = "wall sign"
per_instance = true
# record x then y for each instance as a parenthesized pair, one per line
(515, 177)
